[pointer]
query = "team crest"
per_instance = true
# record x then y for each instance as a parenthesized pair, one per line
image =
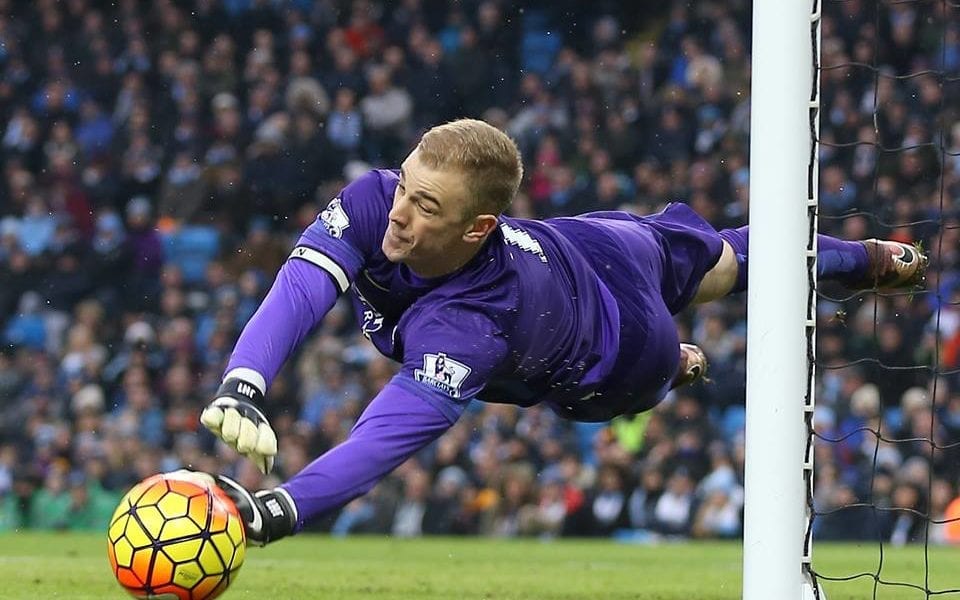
(443, 372)
(334, 218)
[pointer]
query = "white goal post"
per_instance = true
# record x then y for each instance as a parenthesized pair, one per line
(781, 306)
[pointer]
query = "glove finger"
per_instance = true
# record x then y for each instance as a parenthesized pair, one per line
(212, 418)
(230, 428)
(247, 438)
(266, 440)
(199, 477)
(264, 463)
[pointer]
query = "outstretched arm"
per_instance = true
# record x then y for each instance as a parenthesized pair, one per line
(299, 299)
(403, 418)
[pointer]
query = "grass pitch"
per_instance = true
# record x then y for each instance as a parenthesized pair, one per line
(74, 566)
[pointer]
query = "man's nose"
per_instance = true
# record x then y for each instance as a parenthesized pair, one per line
(397, 214)
(394, 216)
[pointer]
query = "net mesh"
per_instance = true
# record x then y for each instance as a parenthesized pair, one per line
(887, 422)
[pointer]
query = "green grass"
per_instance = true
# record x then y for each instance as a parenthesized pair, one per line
(75, 566)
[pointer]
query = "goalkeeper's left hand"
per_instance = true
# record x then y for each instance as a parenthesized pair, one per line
(233, 417)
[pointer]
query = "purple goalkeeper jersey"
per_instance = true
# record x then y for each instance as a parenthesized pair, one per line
(574, 311)
(526, 320)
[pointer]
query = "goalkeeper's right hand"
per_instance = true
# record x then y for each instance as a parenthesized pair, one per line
(233, 417)
(268, 515)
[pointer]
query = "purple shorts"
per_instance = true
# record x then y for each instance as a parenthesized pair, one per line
(653, 266)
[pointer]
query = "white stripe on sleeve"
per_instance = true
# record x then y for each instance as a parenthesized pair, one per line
(324, 262)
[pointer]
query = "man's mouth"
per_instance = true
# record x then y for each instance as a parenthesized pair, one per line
(396, 238)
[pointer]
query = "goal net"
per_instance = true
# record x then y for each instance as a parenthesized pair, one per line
(886, 443)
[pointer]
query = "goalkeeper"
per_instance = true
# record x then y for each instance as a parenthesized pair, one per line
(574, 312)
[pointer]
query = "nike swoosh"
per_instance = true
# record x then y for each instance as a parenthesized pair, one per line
(257, 524)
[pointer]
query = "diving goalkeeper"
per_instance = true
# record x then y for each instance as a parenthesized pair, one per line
(574, 312)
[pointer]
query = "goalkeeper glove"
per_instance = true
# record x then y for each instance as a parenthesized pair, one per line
(268, 515)
(233, 417)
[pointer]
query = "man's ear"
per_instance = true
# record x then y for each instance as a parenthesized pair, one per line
(479, 228)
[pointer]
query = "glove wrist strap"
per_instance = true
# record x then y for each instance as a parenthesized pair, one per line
(279, 514)
(241, 390)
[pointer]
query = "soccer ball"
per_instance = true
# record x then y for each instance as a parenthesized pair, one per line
(175, 538)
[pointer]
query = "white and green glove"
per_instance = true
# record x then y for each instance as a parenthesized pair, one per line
(235, 418)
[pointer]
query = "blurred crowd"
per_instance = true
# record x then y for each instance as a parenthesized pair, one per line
(159, 159)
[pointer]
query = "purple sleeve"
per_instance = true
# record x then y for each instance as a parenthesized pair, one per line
(298, 300)
(403, 418)
(327, 257)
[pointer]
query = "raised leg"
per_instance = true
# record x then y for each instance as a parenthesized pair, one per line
(866, 264)
(721, 279)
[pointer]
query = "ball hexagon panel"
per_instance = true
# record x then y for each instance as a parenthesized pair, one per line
(207, 586)
(210, 560)
(150, 520)
(173, 505)
(128, 578)
(200, 508)
(180, 527)
(117, 527)
(141, 563)
(188, 574)
(123, 552)
(152, 494)
(226, 548)
(183, 551)
(162, 573)
(235, 531)
(135, 534)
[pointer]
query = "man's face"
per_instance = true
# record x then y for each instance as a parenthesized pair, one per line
(428, 221)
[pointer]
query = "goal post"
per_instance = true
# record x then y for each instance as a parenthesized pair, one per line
(780, 301)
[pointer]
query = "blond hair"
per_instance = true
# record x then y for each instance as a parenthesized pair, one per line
(488, 159)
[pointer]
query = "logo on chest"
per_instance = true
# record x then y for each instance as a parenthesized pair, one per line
(372, 319)
(443, 373)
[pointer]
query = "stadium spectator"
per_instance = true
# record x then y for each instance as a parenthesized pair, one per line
(675, 509)
(386, 110)
(718, 516)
